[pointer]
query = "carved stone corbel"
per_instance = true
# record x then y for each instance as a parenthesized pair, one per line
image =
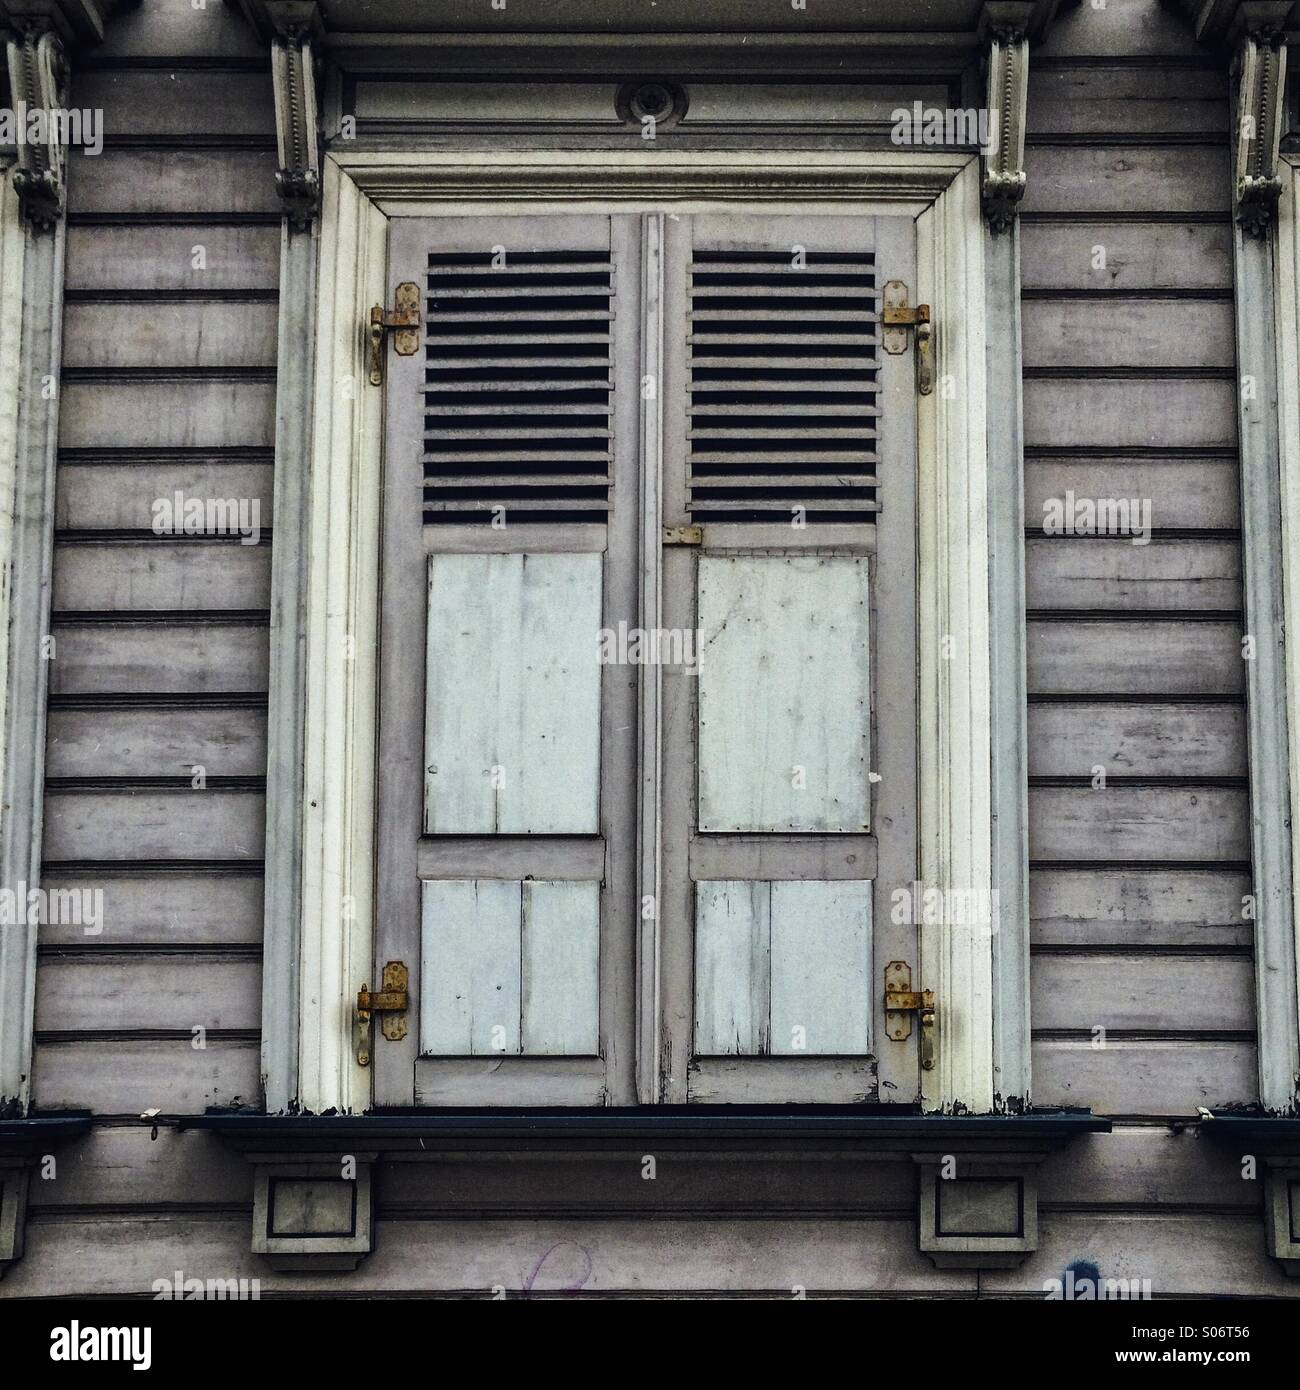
(293, 73)
(1261, 81)
(1005, 31)
(38, 84)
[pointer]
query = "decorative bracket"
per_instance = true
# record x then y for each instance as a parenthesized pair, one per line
(1268, 1149)
(980, 1211)
(25, 1147)
(312, 1214)
(1005, 30)
(297, 132)
(38, 82)
(1261, 82)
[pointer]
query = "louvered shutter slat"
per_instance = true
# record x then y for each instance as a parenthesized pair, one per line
(518, 385)
(782, 372)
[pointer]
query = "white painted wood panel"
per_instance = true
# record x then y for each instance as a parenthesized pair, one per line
(510, 968)
(513, 695)
(732, 953)
(821, 968)
(783, 969)
(560, 965)
(784, 722)
(469, 968)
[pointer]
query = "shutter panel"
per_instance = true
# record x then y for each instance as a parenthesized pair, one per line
(507, 749)
(519, 387)
(789, 793)
(783, 378)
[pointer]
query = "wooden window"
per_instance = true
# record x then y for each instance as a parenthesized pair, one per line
(606, 739)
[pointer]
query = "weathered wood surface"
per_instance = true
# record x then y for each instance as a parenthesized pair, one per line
(121, 496)
(90, 991)
(566, 1254)
(130, 1166)
(509, 968)
(1185, 494)
(1125, 823)
(174, 181)
(1124, 32)
(1158, 907)
(782, 968)
(180, 101)
(1191, 1253)
(1143, 1076)
(156, 382)
(1104, 573)
(1136, 740)
(1120, 332)
(204, 256)
(1130, 413)
(773, 1080)
(115, 1075)
(194, 574)
(1141, 256)
(1129, 349)
(156, 742)
(1112, 990)
(1148, 657)
(216, 823)
(168, 334)
(1102, 100)
(1127, 178)
(204, 413)
(219, 908)
(1145, 1163)
(159, 657)
(162, 31)
(784, 708)
(1185, 1254)
(512, 705)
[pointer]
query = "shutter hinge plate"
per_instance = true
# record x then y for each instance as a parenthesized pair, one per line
(896, 318)
(390, 1003)
(683, 535)
(901, 1002)
(402, 321)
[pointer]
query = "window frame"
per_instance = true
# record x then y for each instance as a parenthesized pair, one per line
(363, 189)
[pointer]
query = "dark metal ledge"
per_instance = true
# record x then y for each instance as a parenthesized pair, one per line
(40, 1132)
(1278, 1134)
(712, 1128)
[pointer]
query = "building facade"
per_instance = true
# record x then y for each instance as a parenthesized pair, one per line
(647, 648)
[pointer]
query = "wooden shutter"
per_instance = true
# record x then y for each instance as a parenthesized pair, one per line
(788, 800)
(615, 882)
(507, 767)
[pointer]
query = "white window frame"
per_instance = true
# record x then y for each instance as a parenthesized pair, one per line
(941, 190)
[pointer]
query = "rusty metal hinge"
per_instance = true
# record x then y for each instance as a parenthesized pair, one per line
(402, 321)
(390, 1003)
(901, 1002)
(897, 318)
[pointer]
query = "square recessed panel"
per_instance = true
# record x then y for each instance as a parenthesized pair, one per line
(978, 1207)
(312, 1207)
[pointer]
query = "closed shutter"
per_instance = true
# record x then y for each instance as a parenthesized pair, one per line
(668, 878)
(507, 750)
(789, 785)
